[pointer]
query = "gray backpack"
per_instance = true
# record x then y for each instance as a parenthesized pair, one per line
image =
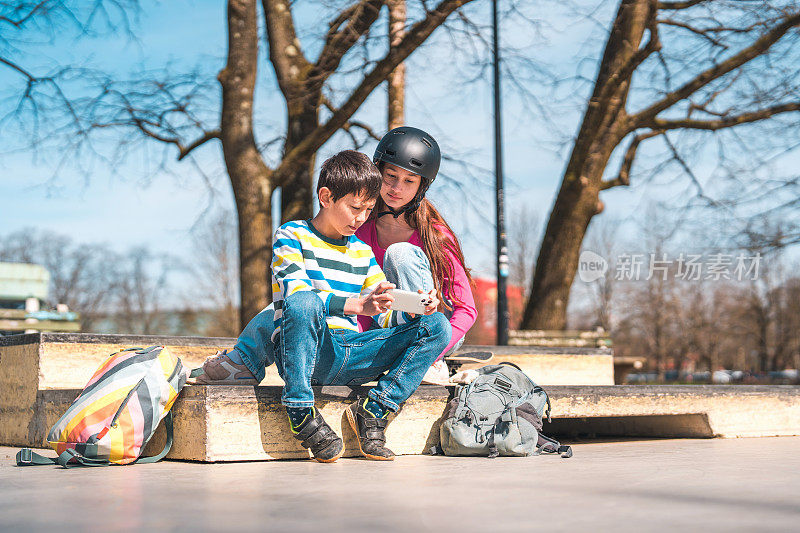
(499, 413)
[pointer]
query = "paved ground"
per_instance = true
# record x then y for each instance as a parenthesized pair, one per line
(716, 485)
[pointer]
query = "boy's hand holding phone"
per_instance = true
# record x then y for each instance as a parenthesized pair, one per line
(377, 302)
(386, 297)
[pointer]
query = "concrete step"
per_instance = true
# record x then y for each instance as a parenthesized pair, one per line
(555, 365)
(237, 423)
(39, 361)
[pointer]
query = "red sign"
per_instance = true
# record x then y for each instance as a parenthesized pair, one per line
(485, 329)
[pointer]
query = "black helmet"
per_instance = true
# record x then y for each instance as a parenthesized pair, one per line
(414, 150)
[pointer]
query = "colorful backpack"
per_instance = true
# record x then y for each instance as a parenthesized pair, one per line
(118, 411)
(499, 413)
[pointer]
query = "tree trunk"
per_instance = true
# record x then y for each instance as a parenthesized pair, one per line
(250, 178)
(605, 124)
(397, 79)
(297, 193)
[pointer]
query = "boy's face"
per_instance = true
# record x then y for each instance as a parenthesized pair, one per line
(348, 213)
(399, 186)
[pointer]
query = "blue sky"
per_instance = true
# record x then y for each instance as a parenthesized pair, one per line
(131, 206)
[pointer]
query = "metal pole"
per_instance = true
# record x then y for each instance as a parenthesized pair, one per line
(502, 252)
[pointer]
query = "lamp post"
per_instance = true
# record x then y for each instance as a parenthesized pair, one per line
(502, 252)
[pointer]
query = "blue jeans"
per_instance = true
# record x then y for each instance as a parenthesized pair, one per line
(407, 266)
(310, 353)
(255, 343)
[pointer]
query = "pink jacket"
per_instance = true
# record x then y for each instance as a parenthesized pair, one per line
(464, 313)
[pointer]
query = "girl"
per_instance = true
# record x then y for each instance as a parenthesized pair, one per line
(411, 241)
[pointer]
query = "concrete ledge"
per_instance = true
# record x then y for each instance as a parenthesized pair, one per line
(550, 366)
(238, 423)
(39, 361)
(730, 410)
(68, 360)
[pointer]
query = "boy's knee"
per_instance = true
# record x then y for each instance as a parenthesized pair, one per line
(303, 303)
(401, 253)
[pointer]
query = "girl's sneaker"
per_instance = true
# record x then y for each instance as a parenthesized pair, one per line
(437, 374)
(220, 369)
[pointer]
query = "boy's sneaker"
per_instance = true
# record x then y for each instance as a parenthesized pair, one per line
(370, 432)
(315, 434)
(219, 369)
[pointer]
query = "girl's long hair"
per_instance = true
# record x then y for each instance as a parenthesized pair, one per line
(429, 224)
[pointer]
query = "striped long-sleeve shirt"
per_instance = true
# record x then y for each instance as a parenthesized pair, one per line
(334, 269)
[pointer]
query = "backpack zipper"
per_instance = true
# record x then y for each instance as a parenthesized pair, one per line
(175, 371)
(124, 403)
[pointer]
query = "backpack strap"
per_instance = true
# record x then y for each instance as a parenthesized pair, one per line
(493, 451)
(549, 407)
(167, 445)
(73, 456)
(548, 445)
(28, 457)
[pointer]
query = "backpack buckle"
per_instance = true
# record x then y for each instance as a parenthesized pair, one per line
(25, 456)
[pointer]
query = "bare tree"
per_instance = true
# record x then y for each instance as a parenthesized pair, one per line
(722, 65)
(523, 234)
(143, 290)
(693, 319)
(602, 240)
(85, 277)
(215, 270)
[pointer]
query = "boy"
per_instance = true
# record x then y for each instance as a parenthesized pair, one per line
(323, 277)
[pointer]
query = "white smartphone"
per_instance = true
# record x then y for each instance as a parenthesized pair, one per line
(410, 302)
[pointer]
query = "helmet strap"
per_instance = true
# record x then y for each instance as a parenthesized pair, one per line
(390, 211)
(411, 206)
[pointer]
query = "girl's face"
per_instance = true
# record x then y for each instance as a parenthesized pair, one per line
(399, 185)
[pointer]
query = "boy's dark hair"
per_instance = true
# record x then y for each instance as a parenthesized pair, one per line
(350, 172)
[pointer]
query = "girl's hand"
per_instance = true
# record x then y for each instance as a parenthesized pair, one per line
(431, 308)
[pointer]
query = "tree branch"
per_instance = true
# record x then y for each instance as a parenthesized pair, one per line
(14, 66)
(337, 43)
(726, 122)
(677, 157)
(702, 33)
(416, 35)
(285, 52)
(367, 129)
(207, 136)
(679, 5)
(645, 118)
(623, 176)
(18, 23)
